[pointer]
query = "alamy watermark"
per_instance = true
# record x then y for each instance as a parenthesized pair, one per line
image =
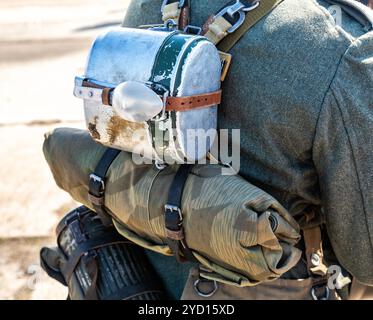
(195, 146)
(336, 279)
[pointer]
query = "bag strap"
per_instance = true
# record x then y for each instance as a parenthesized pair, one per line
(177, 12)
(314, 251)
(174, 217)
(227, 27)
(96, 193)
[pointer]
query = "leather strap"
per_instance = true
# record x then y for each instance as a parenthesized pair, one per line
(184, 18)
(174, 217)
(314, 251)
(96, 194)
(185, 103)
(106, 96)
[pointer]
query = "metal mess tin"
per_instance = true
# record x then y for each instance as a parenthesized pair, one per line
(140, 69)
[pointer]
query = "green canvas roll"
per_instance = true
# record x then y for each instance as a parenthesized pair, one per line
(239, 232)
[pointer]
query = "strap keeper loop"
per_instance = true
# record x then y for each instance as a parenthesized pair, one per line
(97, 201)
(175, 235)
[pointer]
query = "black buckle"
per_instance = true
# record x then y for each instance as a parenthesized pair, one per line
(173, 222)
(97, 183)
(96, 189)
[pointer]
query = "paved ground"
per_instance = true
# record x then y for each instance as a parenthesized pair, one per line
(43, 45)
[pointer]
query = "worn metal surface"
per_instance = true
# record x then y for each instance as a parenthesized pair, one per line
(182, 64)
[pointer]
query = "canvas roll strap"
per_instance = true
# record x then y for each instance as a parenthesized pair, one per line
(227, 27)
(96, 194)
(174, 217)
(177, 11)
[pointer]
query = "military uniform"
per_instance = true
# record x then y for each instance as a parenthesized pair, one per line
(300, 88)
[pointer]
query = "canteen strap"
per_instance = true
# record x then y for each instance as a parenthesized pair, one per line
(187, 103)
(90, 90)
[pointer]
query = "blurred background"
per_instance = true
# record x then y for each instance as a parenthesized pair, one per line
(43, 45)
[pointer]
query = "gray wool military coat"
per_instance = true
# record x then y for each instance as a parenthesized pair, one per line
(301, 90)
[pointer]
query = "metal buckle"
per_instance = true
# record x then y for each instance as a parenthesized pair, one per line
(234, 8)
(252, 7)
(325, 297)
(170, 25)
(226, 60)
(240, 9)
(190, 30)
(160, 165)
(98, 179)
(172, 208)
(203, 294)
